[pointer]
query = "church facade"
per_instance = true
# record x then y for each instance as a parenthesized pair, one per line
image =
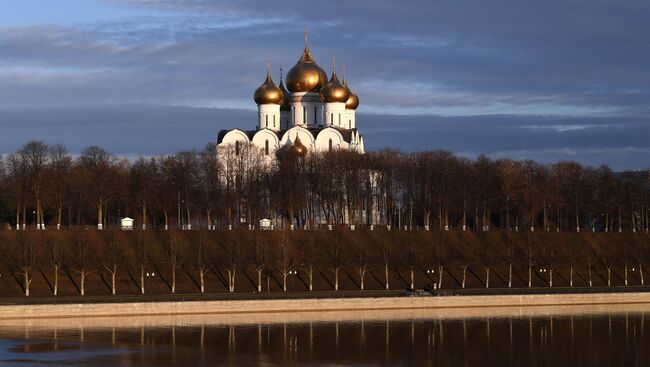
(313, 113)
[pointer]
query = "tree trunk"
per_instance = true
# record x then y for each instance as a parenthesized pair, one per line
(412, 279)
(464, 276)
(609, 276)
(589, 268)
(336, 280)
(59, 215)
(231, 279)
(99, 215)
(530, 276)
(27, 282)
(173, 279)
(386, 275)
(625, 273)
(362, 276)
(113, 283)
(202, 276)
(487, 277)
(310, 275)
(284, 282)
(571, 276)
(259, 281)
(641, 273)
(144, 215)
(550, 277)
(83, 282)
(142, 280)
(441, 270)
(56, 280)
(510, 275)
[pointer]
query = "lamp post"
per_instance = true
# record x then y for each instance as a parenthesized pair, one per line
(430, 273)
(292, 272)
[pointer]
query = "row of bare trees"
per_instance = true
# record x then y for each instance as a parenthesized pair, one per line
(44, 186)
(116, 262)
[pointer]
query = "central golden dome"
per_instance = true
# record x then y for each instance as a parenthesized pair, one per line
(306, 75)
(334, 91)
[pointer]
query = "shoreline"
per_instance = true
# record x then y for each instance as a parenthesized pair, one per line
(439, 306)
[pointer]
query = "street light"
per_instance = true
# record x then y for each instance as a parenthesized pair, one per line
(293, 272)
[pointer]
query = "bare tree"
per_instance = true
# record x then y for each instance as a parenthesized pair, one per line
(56, 260)
(174, 257)
(111, 259)
(80, 260)
(200, 258)
(142, 258)
(261, 258)
(35, 157)
(284, 261)
(309, 258)
(26, 260)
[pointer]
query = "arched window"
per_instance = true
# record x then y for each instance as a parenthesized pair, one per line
(350, 124)
(237, 147)
(273, 120)
(315, 115)
(339, 119)
(293, 109)
(267, 120)
(266, 147)
(331, 119)
(304, 115)
(330, 144)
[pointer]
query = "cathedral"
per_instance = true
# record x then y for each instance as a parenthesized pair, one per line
(313, 113)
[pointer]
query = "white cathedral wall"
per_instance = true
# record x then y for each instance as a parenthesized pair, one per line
(350, 119)
(306, 109)
(335, 115)
(269, 116)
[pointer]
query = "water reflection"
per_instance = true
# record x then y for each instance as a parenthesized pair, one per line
(614, 338)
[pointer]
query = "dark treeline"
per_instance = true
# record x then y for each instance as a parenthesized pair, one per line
(44, 186)
(89, 262)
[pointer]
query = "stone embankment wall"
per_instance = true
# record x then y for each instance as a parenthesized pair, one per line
(447, 306)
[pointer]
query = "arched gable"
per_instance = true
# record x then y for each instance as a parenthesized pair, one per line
(330, 134)
(233, 136)
(306, 138)
(263, 136)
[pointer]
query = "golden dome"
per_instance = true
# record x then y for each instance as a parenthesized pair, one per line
(353, 101)
(286, 102)
(297, 149)
(268, 92)
(334, 91)
(306, 75)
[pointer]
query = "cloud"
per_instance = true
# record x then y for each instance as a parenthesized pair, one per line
(510, 76)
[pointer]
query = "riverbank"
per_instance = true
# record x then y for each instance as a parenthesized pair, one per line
(314, 309)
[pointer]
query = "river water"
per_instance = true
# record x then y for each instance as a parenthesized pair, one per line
(571, 336)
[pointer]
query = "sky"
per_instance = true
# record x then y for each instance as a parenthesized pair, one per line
(546, 80)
